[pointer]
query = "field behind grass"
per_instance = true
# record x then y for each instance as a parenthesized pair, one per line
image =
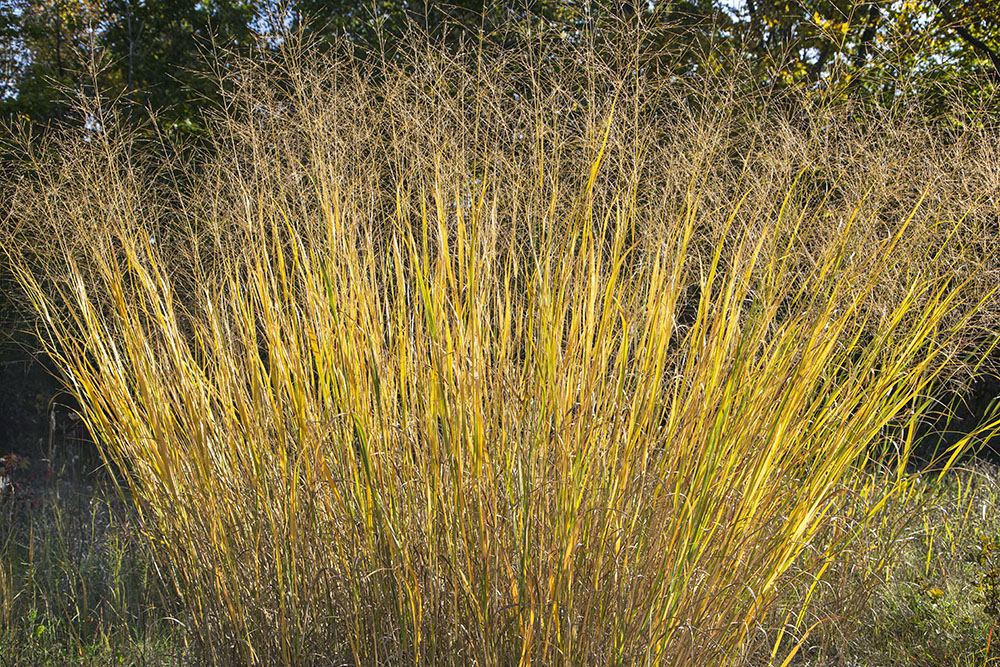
(494, 357)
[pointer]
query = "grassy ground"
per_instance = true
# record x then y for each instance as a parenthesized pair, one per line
(77, 586)
(80, 588)
(930, 595)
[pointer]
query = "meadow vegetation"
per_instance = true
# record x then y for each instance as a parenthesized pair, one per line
(474, 356)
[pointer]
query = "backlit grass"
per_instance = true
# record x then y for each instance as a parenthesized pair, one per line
(406, 369)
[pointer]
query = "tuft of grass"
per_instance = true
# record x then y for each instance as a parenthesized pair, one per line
(925, 593)
(77, 586)
(406, 369)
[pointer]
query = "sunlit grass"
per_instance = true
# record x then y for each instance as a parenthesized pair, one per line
(445, 404)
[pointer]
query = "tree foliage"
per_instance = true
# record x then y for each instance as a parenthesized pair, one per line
(153, 52)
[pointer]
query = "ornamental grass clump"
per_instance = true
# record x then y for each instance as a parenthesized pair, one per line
(403, 367)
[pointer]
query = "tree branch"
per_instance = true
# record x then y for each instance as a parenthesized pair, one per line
(975, 42)
(868, 36)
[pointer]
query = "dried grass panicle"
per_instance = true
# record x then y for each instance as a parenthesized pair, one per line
(501, 357)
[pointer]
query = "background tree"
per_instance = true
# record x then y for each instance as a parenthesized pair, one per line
(46, 44)
(159, 47)
(153, 50)
(873, 48)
